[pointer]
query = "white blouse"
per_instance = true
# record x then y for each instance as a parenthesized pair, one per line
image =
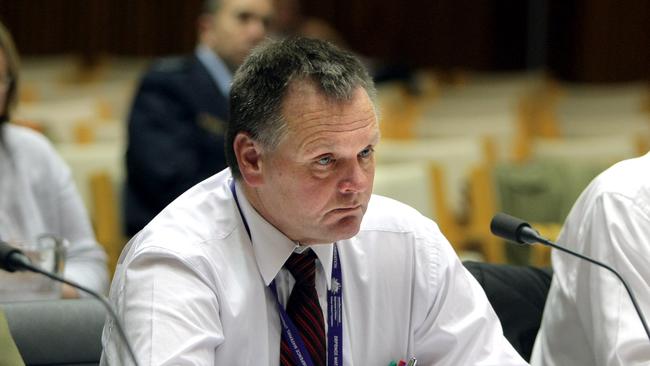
(38, 196)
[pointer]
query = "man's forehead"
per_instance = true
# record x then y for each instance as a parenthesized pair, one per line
(302, 90)
(247, 5)
(316, 120)
(366, 135)
(305, 104)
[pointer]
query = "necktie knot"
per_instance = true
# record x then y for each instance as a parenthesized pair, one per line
(302, 267)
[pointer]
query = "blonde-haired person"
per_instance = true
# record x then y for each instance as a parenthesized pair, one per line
(37, 194)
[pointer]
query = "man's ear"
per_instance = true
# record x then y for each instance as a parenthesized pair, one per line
(249, 158)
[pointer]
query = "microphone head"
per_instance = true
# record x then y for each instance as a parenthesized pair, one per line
(509, 227)
(11, 258)
(6, 253)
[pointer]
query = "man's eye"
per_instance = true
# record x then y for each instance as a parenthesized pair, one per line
(324, 160)
(366, 152)
(244, 17)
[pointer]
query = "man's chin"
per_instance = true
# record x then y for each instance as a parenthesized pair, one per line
(330, 233)
(347, 227)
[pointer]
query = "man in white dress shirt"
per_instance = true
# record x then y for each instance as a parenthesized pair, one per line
(204, 283)
(589, 318)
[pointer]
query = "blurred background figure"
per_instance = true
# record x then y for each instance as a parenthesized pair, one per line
(289, 20)
(37, 194)
(177, 122)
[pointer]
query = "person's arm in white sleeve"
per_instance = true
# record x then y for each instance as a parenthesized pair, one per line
(617, 232)
(460, 327)
(170, 312)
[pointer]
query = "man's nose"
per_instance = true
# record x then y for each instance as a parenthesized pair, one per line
(356, 178)
(257, 29)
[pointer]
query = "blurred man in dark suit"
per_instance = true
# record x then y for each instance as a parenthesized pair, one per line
(177, 121)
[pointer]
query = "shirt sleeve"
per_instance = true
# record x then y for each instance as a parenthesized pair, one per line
(460, 327)
(171, 311)
(617, 232)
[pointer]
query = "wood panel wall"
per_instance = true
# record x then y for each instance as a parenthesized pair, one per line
(582, 40)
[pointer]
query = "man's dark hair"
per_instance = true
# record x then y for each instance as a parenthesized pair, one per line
(261, 83)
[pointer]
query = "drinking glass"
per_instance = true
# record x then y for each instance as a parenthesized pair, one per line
(48, 253)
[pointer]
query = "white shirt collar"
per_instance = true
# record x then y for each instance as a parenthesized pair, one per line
(272, 248)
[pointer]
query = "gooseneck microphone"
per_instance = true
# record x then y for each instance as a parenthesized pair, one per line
(520, 232)
(13, 259)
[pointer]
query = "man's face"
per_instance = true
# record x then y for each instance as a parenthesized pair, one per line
(317, 183)
(236, 27)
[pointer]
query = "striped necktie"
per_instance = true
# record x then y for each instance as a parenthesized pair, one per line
(304, 310)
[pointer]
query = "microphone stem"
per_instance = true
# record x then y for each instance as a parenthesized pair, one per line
(627, 288)
(93, 294)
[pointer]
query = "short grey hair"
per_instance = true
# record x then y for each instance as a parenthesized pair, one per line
(261, 82)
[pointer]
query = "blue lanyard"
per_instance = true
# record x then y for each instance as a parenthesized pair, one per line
(334, 312)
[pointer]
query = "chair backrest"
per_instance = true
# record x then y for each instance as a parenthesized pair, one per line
(607, 149)
(106, 215)
(543, 190)
(502, 129)
(518, 295)
(57, 332)
(90, 159)
(455, 156)
(602, 100)
(421, 185)
(409, 183)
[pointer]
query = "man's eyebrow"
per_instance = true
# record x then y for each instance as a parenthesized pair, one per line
(375, 138)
